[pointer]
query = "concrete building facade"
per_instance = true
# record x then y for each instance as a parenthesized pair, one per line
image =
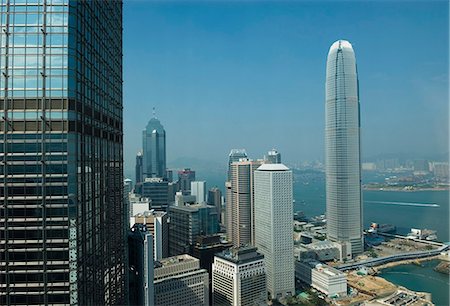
(239, 277)
(198, 189)
(274, 227)
(157, 224)
(324, 278)
(180, 281)
(241, 202)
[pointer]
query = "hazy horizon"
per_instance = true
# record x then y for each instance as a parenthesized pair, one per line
(251, 75)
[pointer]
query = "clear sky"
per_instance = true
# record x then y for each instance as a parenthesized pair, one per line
(251, 74)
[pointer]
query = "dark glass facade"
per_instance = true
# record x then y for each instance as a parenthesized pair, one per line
(61, 160)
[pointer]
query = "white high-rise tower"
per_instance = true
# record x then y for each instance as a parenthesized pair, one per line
(342, 148)
(273, 227)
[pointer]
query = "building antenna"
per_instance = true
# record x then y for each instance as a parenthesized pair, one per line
(154, 112)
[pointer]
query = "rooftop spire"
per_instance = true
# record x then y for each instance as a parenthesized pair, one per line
(154, 112)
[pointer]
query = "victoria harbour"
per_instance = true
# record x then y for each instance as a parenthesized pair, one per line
(420, 278)
(404, 209)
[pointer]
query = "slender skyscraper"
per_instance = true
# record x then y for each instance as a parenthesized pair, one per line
(139, 168)
(241, 208)
(154, 144)
(215, 199)
(342, 145)
(61, 190)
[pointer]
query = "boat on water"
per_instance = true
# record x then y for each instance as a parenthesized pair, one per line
(382, 228)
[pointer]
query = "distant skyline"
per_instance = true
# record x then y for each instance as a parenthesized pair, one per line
(250, 74)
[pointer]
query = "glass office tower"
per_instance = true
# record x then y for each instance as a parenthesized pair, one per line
(154, 143)
(61, 186)
(342, 148)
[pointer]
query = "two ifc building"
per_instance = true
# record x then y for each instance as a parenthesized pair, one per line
(61, 158)
(343, 149)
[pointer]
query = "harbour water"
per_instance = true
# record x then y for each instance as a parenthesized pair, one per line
(421, 278)
(405, 210)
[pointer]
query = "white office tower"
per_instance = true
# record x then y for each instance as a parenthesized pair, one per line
(198, 189)
(239, 277)
(180, 281)
(274, 227)
(342, 148)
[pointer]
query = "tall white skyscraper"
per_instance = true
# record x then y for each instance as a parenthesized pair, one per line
(342, 148)
(273, 227)
(198, 189)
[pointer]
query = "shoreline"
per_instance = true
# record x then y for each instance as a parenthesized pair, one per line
(403, 190)
(378, 269)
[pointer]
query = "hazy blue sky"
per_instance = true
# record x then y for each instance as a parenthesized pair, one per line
(251, 75)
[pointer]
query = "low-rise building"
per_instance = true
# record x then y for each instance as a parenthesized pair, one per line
(324, 250)
(324, 278)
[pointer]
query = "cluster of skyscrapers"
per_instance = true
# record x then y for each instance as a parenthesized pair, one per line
(71, 231)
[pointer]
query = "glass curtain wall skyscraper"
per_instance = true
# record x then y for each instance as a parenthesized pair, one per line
(154, 143)
(61, 160)
(342, 148)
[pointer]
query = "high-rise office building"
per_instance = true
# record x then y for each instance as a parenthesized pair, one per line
(157, 190)
(61, 160)
(239, 277)
(154, 149)
(138, 205)
(185, 177)
(240, 227)
(342, 148)
(234, 156)
(187, 223)
(198, 189)
(206, 246)
(273, 227)
(127, 188)
(140, 258)
(273, 157)
(139, 168)
(215, 199)
(180, 281)
(158, 225)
